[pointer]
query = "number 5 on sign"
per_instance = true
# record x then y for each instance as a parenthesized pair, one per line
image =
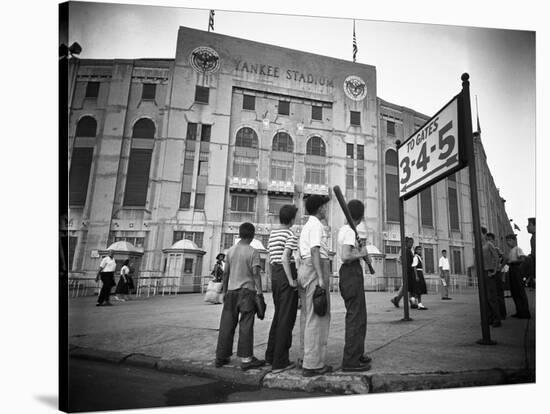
(431, 153)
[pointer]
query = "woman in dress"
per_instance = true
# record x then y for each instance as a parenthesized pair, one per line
(420, 283)
(124, 283)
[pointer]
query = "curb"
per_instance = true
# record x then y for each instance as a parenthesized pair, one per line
(335, 383)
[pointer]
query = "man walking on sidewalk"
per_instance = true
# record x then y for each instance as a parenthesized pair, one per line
(106, 273)
(353, 293)
(411, 277)
(444, 274)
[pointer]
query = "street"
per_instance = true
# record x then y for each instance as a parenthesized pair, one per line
(96, 386)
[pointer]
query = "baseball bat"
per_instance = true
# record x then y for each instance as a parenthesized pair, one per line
(345, 210)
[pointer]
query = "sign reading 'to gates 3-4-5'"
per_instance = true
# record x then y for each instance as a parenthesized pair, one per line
(431, 153)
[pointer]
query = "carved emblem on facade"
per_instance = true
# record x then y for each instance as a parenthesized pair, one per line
(355, 88)
(204, 59)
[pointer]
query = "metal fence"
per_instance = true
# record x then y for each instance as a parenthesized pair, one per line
(170, 285)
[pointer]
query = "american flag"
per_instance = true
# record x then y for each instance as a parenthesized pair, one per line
(211, 20)
(354, 43)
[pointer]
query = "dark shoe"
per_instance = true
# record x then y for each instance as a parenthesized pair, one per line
(496, 324)
(99, 304)
(422, 308)
(357, 368)
(365, 359)
(221, 362)
(413, 306)
(446, 298)
(255, 363)
(319, 371)
(395, 302)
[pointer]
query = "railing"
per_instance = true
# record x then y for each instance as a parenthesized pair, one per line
(149, 284)
(82, 286)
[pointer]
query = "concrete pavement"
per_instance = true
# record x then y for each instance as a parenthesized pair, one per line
(437, 349)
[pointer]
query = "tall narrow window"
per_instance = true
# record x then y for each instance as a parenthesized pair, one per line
(360, 183)
(139, 164)
(281, 170)
(349, 151)
(284, 107)
(191, 131)
(390, 128)
(392, 187)
(428, 258)
(92, 90)
(205, 132)
(349, 178)
(79, 175)
(148, 92)
(199, 201)
(202, 94)
(452, 196)
(426, 207)
(249, 102)
(317, 113)
(360, 152)
(355, 118)
(81, 161)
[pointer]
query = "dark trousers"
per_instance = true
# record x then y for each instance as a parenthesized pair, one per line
(108, 281)
(285, 301)
(500, 295)
(517, 291)
(353, 293)
(237, 302)
(492, 297)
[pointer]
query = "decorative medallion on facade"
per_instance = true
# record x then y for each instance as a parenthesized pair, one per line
(355, 88)
(205, 59)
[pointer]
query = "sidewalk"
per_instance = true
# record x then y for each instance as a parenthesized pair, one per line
(437, 349)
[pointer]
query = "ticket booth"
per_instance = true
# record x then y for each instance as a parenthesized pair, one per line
(123, 250)
(183, 264)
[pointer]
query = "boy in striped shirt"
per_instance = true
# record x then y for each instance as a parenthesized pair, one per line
(282, 243)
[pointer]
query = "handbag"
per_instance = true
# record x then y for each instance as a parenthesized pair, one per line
(320, 303)
(260, 306)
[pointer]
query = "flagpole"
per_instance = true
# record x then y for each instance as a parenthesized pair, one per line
(354, 43)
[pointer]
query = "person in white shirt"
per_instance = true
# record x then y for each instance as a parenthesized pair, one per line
(444, 274)
(314, 270)
(106, 273)
(514, 260)
(353, 292)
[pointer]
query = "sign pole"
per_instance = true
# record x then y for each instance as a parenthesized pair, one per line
(405, 285)
(470, 157)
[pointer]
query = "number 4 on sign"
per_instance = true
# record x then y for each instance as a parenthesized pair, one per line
(423, 159)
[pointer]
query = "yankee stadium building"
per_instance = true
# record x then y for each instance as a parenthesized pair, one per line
(170, 156)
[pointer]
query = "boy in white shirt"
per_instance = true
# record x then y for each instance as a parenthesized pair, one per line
(313, 271)
(353, 293)
(514, 260)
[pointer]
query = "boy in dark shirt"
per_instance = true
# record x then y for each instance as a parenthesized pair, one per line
(241, 284)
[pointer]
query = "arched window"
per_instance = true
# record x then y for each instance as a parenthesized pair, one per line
(282, 142)
(144, 128)
(391, 158)
(86, 127)
(392, 187)
(139, 164)
(246, 137)
(316, 146)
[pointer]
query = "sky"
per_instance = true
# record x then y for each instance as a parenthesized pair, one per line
(418, 66)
